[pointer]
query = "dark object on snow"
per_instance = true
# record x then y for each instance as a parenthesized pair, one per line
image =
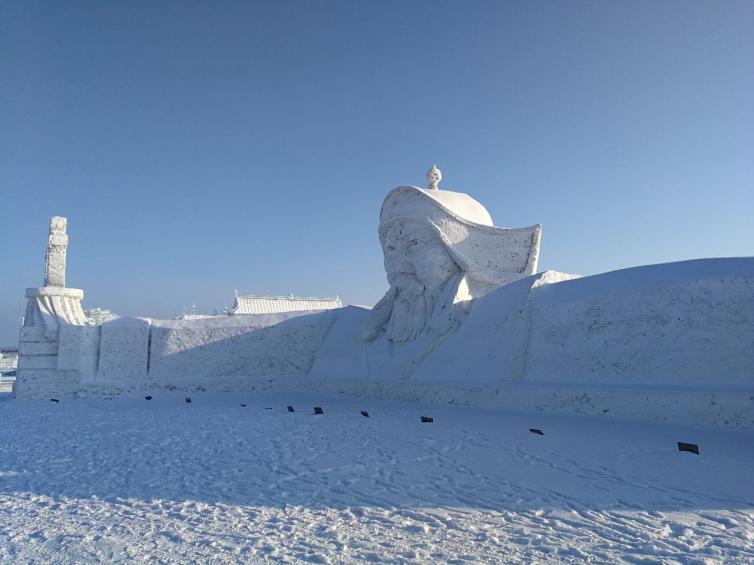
(427, 420)
(188, 400)
(318, 410)
(365, 413)
(268, 407)
(690, 447)
(536, 431)
(291, 409)
(244, 405)
(54, 400)
(148, 397)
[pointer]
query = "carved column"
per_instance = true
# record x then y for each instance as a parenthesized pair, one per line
(57, 247)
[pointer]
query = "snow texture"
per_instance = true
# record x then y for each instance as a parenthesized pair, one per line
(213, 481)
(57, 248)
(253, 345)
(124, 349)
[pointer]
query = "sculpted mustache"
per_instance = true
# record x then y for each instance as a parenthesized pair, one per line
(407, 285)
(406, 280)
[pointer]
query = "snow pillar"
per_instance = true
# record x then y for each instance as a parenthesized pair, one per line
(57, 246)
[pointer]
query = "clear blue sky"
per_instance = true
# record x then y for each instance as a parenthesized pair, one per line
(200, 147)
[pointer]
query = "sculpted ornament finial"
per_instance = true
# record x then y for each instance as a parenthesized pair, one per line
(434, 176)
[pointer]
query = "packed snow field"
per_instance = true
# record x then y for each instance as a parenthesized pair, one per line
(214, 481)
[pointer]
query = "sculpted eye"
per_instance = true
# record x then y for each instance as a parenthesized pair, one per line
(414, 242)
(389, 248)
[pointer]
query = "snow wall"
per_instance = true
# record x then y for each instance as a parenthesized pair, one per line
(671, 342)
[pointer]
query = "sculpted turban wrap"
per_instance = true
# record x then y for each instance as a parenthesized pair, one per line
(487, 256)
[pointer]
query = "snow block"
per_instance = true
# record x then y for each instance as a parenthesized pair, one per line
(124, 346)
(688, 323)
(42, 347)
(194, 351)
(78, 349)
(41, 362)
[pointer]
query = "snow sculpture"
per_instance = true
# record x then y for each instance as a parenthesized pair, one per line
(53, 304)
(667, 342)
(441, 250)
(49, 309)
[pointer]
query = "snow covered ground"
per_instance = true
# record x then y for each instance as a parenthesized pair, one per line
(214, 481)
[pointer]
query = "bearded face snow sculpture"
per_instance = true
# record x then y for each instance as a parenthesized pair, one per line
(441, 250)
(418, 267)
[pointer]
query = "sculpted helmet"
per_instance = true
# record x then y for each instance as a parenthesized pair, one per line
(490, 255)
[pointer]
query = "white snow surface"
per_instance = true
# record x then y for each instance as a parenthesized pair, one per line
(213, 481)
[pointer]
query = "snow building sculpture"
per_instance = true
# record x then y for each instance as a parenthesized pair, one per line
(98, 316)
(441, 250)
(251, 304)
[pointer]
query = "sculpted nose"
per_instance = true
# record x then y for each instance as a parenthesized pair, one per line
(405, 266)
(398, 263)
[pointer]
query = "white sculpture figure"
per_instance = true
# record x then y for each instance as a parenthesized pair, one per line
(56, 252)
(441, 249)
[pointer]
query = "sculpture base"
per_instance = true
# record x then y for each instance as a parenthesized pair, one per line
(75, 293)
(50, 306)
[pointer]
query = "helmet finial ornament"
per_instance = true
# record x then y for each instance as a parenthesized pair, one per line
(434, 176)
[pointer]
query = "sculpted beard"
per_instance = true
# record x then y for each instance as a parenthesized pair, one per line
(404, 311)
(412, 307)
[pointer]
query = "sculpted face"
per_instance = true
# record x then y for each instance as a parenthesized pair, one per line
(415, 254)
(418, 267)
